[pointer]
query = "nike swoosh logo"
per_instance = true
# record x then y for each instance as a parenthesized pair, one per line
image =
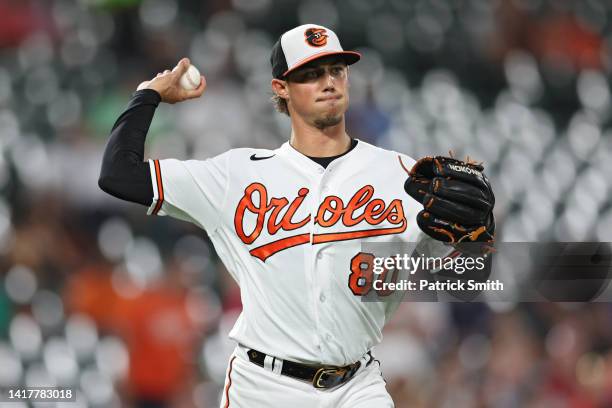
(254, 158)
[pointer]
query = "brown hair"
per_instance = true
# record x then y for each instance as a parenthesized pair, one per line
(280, 104)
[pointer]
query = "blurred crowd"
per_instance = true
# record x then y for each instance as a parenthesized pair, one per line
(134, 311)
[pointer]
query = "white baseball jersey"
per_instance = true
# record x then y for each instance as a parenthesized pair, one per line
(289, 231)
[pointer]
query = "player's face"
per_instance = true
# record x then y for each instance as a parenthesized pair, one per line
(318, 92)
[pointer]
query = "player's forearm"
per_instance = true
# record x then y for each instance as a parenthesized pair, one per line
(124, 174)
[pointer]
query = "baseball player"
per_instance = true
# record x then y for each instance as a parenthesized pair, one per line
(288, 224)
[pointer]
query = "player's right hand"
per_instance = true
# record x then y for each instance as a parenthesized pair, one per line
(167, 84)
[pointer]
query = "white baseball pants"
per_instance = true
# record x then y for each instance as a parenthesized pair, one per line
(248, 385)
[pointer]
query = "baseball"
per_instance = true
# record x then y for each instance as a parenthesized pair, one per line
(190, 79)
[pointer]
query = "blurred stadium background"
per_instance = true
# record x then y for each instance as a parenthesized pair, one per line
(135, 311)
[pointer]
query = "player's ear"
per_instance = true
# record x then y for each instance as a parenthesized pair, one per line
(279, 87)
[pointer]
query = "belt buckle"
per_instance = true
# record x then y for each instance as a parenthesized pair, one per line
(325, 371)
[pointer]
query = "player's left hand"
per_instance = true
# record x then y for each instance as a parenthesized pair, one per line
(167, 84)
(457, 199)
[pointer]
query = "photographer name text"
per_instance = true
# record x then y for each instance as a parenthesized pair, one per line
(449, 285)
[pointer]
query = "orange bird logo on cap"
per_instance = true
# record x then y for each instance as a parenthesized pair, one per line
(316, 37)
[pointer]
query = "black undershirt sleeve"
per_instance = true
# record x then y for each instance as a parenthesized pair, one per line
(124, 172)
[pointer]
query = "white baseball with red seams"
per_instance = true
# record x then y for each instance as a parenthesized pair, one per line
(190, 80)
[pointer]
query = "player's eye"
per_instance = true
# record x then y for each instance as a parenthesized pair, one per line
(311, 74)
(337, 70)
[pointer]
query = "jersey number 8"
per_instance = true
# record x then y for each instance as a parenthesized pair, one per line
(362, 275)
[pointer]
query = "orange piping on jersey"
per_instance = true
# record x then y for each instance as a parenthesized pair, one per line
(265, 251)
(402, 164)
(229, 382)
(160, 187)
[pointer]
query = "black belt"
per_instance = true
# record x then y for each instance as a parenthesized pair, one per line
(322, 376)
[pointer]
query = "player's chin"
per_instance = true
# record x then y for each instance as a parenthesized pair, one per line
(328, 120)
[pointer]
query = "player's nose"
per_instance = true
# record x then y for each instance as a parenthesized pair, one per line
(329, 82)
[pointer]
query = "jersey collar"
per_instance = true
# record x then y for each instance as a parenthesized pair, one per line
(309, 165)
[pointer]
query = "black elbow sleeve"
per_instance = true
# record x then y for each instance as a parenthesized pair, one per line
(124, 173)
(132, 184)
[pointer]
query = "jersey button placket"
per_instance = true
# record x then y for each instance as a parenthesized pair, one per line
(316, 257)
(324, 261)
(321, 267)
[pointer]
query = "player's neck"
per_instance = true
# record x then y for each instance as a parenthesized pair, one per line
(314, 142)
